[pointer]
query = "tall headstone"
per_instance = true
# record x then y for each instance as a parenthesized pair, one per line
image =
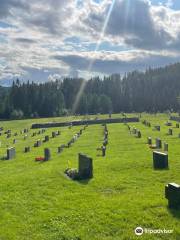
(47, 154)
(149, 140)
(170, 131)
(27, 149)
(85, 167)
(53, 134)
(11, 153)
(158, 143)
(46, 139)
(166, 147)
(160, 160)
(172, 193)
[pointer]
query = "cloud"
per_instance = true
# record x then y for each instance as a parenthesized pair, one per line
(136, 22)
(46, 39)
(109, 63)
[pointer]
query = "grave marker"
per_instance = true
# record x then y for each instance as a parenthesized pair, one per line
(47, 154)
(172, 193)
(158, 143)
(166, 147)
(85, 167)
(11, 153)
(160, 160)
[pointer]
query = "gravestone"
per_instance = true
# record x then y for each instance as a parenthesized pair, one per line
(172, 193)
(58, 133)
(11, 153)
(53, 134)
(170, 131)
(158, 128)
(60, 149)
(27, 149)
(168, 124)
(46, 138)
(38, 143)
(14, 141)
(8, 135)
(177, 125)
(85, 170)
(158, 143)
(103, 150)
(47, 154)
(138, 134)
(25, 137)
(166, 147)
(160, 160)
(149, 140)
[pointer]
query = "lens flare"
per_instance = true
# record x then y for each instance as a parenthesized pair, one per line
(83, 85)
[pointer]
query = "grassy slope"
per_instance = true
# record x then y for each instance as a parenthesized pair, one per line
(38, 202)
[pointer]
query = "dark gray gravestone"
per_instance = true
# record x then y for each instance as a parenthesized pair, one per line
(158, 128)
(166, 147)
(168, 124)
(47, 154)
(170, 131)
(160, 160)
(11, 153)
(158, 143)
(85, 170)
(8, 135)
(149, 140)
(58, 133)
(172, 193)
(53, 134)
(138, 134)
(27, 149)
(60, 149)
(38, 143)
(46, 139)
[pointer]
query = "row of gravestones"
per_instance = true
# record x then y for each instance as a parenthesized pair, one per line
(105, 141)
(158, 144)
(134, 131)
(60, 148)
(158, 128)
(172, 190)
(160, 161)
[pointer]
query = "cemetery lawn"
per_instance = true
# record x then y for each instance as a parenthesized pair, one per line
(38, 202)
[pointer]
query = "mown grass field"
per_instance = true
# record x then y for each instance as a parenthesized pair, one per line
(38, 202)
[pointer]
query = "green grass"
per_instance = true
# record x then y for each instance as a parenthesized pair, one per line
(37, 201)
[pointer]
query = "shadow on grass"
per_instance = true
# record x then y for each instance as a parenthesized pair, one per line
(83, 182)
(174, 212)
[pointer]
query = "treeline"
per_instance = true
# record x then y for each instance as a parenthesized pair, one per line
(152, 91)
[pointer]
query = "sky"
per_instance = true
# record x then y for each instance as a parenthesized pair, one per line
(44, 40)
